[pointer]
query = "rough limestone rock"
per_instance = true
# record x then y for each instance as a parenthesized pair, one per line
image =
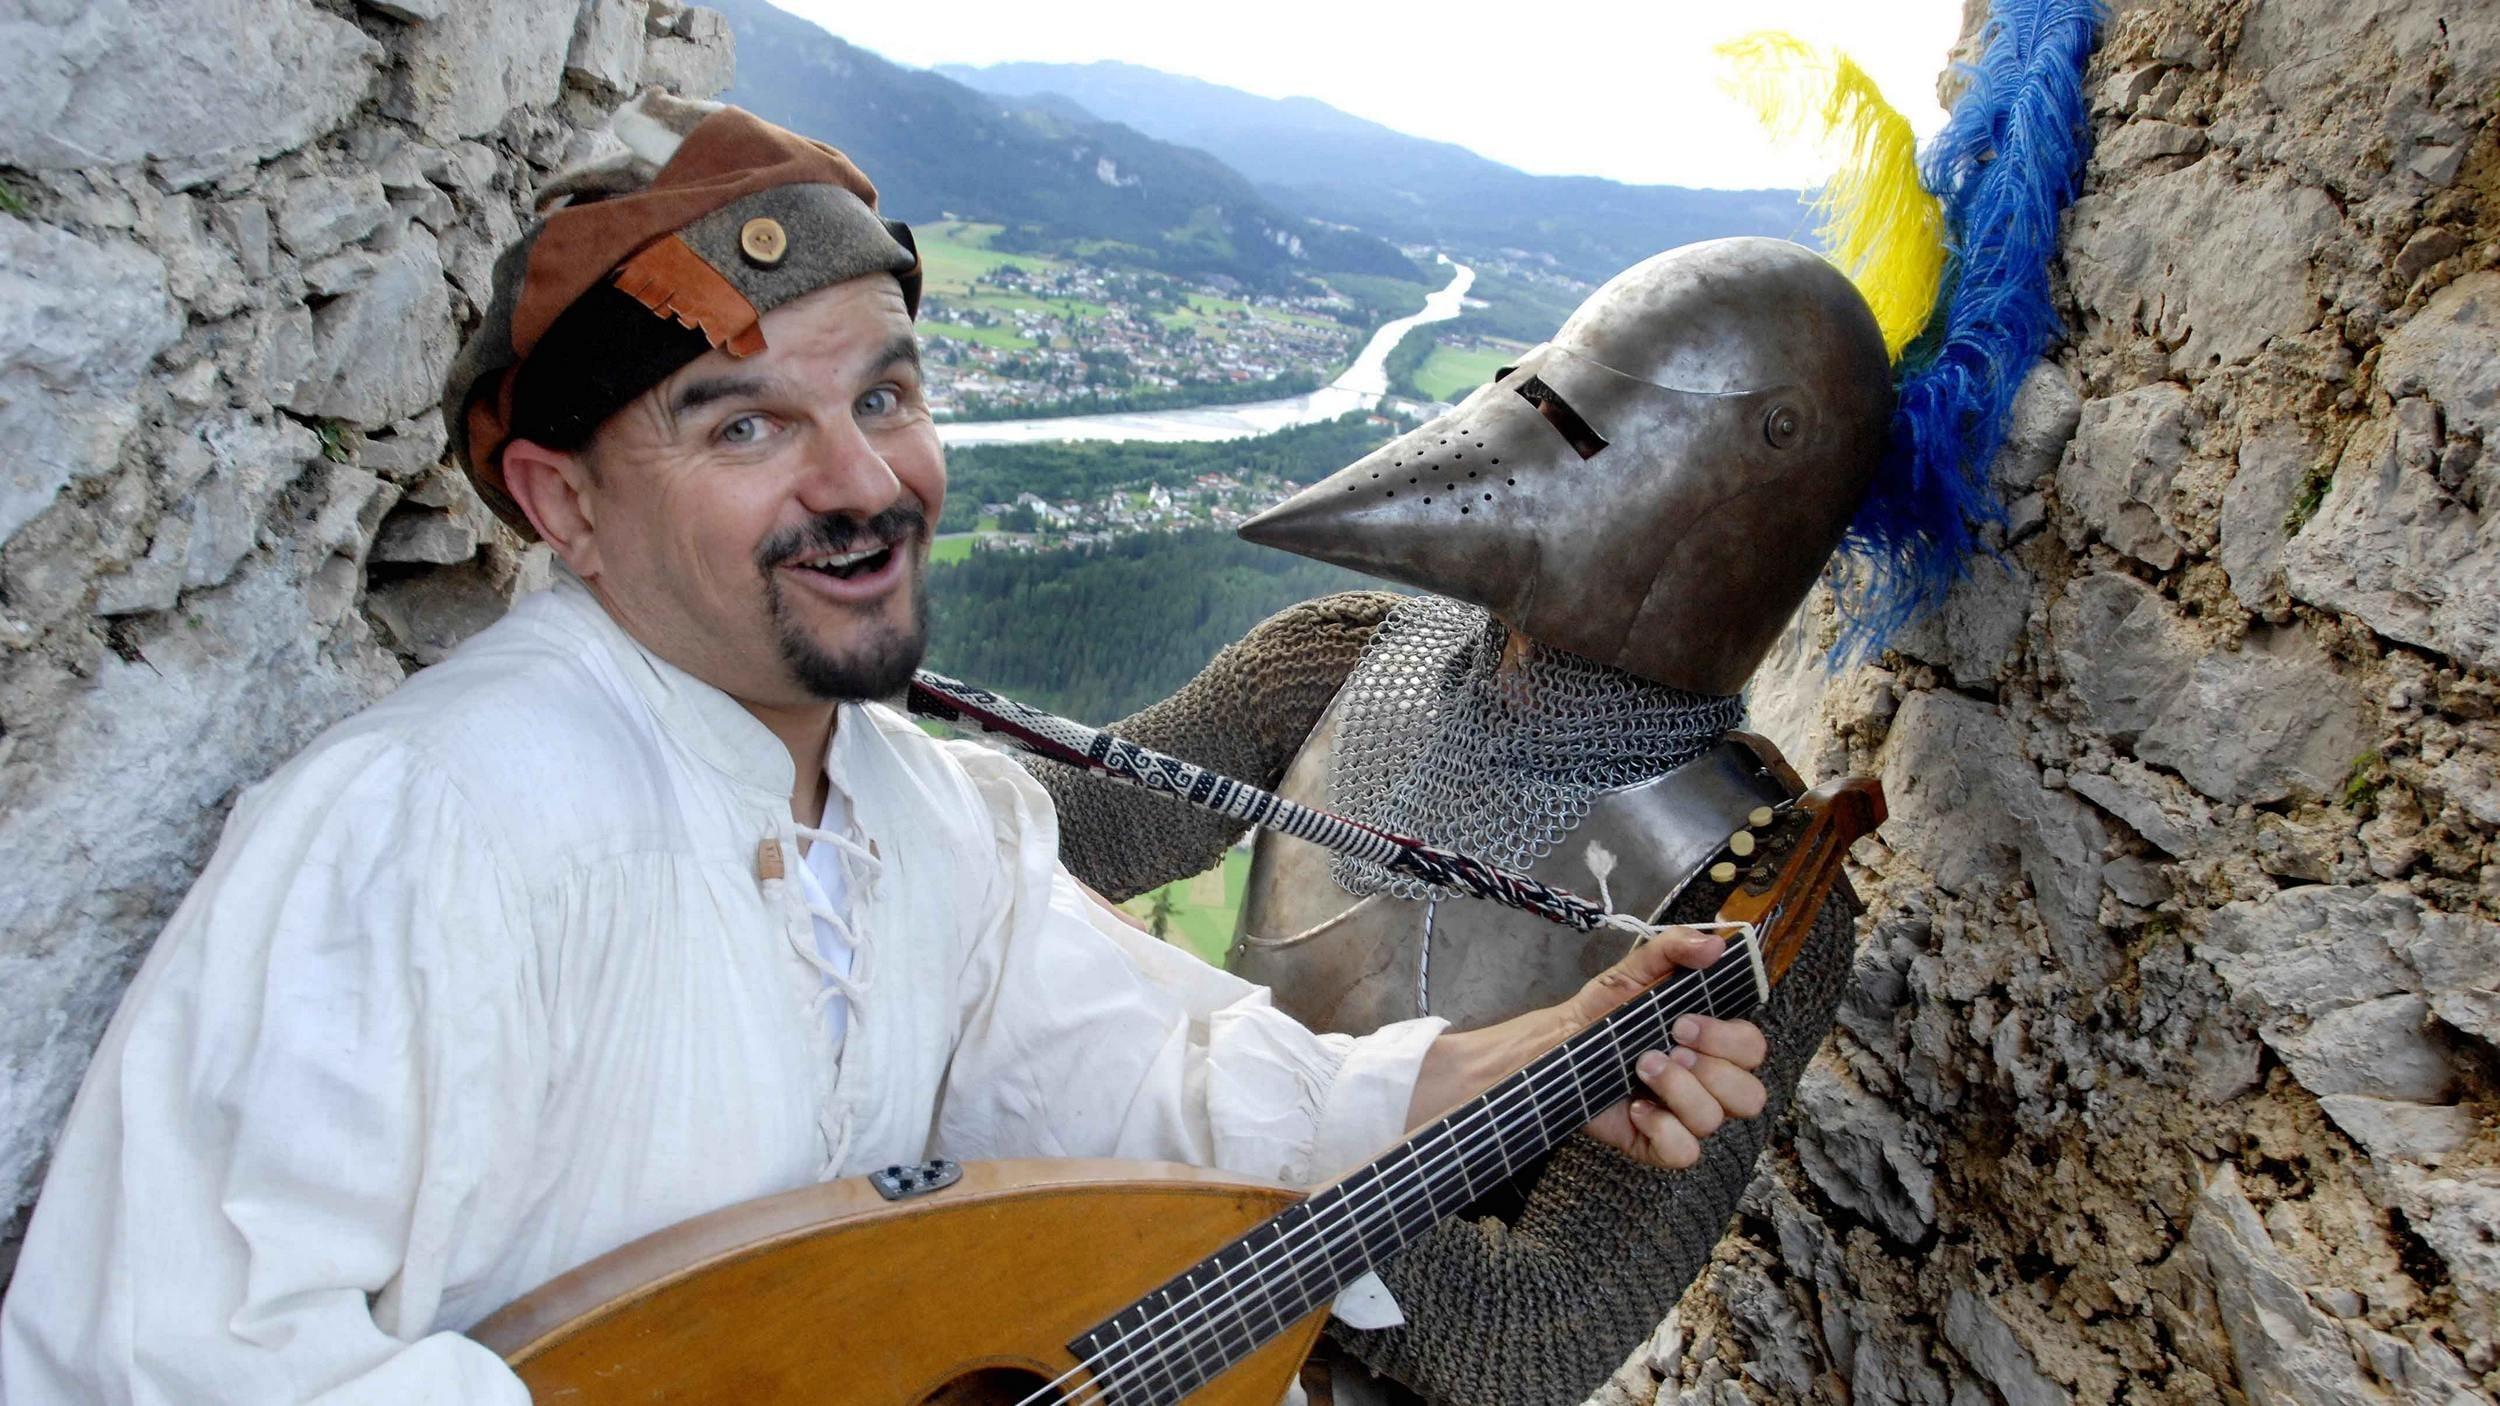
(2125, 453)
(2180, 978)
(207, 85)
(1863, 1156)
(2252, 724)
(2458, 1217)
(691, 54)
(253, 231)
(1969, 811)
(91, 863)
(79, 322)
(461, 73)
(1997, 1355)
(2395, 1131)
(2207, 266)
(2307, 951)
(2257, 510)
(2047, 412)
(2286, 1348)
(1977, 628)
(322, 213)
(606, 53)
(380, 353)
(2396, 542)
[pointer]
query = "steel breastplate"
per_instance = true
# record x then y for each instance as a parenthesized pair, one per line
(1337, 962)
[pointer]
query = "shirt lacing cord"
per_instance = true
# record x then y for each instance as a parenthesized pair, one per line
(862, 868)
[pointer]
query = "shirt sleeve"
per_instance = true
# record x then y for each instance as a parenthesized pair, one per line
(1083, 1037)
(293, 1123)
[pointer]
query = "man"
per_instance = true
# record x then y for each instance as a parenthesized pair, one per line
(1616, 529)
(632, 908)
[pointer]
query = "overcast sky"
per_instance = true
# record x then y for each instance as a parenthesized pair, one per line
(1628, 91)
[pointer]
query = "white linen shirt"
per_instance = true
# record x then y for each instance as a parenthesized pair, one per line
(486, 983)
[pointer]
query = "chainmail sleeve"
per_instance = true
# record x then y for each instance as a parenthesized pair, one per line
(1538, 1310)
(1246, 714)
(1527, 1309)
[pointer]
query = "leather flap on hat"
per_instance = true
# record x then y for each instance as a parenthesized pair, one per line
(673, 281)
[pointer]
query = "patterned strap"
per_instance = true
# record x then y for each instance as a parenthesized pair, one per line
(1098, 752)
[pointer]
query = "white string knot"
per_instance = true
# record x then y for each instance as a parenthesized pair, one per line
(863, 869)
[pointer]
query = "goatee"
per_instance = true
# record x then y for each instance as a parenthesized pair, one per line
(880, 659)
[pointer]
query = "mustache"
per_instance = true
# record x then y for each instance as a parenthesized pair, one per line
(841, 532)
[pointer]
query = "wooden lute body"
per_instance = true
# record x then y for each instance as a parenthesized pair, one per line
(831, 1294)
(1121, 1283)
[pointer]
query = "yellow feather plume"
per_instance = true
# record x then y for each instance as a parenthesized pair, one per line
(1880, 225)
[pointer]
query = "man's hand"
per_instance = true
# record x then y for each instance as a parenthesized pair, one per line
(1707, 1079)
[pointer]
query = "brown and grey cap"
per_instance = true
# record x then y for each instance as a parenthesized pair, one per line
(638, 264)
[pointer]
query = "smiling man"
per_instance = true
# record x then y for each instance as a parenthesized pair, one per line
(636, 906)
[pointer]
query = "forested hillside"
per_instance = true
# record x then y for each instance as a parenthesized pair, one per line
(1306, 155)
(1097, 634)
(1059, 179)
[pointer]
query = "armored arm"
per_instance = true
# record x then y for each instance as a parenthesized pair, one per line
(1245, 715)
(1540, 1309)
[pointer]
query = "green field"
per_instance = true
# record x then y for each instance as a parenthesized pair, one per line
(1204, 907)
(951, 546)
(955, 252)
(1004, 338)
(1449, 374)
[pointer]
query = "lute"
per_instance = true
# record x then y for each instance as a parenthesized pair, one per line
(1022, 1283)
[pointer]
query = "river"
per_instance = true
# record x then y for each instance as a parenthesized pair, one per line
(1360, 388)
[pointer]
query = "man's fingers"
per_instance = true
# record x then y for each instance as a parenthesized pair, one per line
(1665, 1141)
(1739, 1042)
(1641, 968)
(1682, 1094)
(1733, 1089)
(1681, 947)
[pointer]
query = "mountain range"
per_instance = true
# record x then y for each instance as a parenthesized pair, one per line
(1056, 175)
(1195, 177)
(1305, 155)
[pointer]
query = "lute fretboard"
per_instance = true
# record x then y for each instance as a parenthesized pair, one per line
(1221, 1309)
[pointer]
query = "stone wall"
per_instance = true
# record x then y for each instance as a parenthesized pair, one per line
(238, 242)
(2169, 1072)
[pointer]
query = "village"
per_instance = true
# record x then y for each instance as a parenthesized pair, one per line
(1032, 523)
(1039, 337)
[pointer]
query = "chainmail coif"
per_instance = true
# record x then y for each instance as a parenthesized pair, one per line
(1445, 739)
(1531, 1309)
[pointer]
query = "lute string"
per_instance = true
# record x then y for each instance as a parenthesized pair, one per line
(1119, 1365)
(1193, 1320)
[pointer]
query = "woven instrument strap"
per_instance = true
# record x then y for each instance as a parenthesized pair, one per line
(1098, 752)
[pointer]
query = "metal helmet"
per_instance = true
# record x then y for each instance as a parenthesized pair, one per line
(1656, 488)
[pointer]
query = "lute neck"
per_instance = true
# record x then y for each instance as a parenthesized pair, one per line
(1177, 1338)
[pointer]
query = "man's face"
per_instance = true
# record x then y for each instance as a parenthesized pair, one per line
(763, 523)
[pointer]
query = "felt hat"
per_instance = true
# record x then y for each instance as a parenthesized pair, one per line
(642, 261)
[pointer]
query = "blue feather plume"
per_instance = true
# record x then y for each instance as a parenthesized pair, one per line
(2005, 166)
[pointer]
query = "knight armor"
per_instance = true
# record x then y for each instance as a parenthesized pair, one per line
(1613, 532)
